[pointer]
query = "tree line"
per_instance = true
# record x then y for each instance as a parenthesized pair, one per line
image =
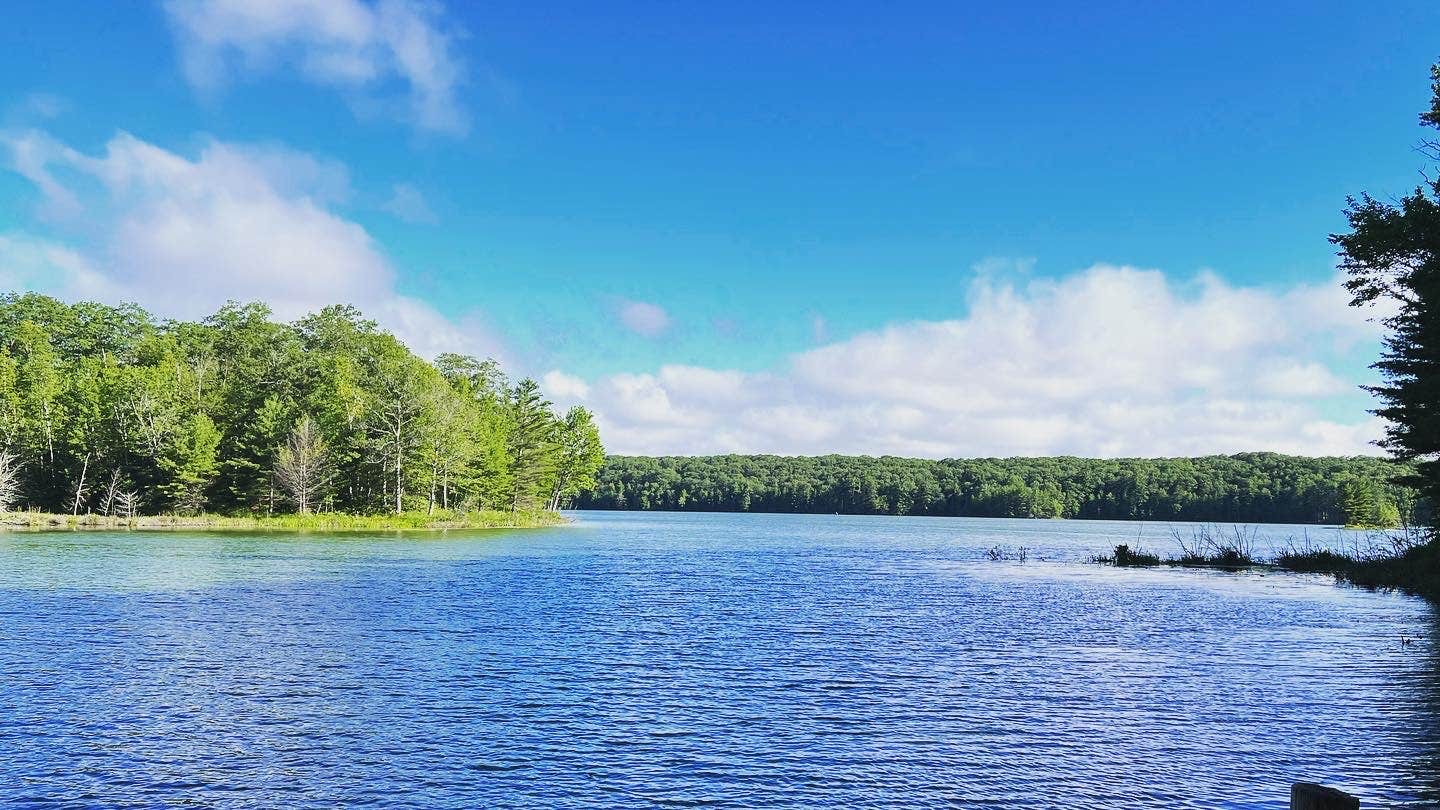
(107, 410)
(1249, 487)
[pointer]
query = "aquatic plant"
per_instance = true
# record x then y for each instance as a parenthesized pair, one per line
(1015, 554)
(1211, 547)
(1126, 557)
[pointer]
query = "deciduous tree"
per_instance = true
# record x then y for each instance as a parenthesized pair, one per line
(303, 467)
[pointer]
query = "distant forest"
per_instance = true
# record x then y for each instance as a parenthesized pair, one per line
(1249, 487)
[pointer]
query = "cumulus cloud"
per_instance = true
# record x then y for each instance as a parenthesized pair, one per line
(1111, 361)
(563, 388)
(642, 318)
(360, 48)
(187, 234)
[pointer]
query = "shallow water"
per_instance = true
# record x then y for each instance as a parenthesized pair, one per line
(641, 660)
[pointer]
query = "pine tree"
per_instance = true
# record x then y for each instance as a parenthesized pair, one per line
(531, 444)
(1392, 254)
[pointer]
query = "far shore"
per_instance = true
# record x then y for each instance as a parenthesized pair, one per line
(319, 521)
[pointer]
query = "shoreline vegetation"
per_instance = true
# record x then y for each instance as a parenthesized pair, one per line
(1406, 560)
(309, 522)
(109, 411)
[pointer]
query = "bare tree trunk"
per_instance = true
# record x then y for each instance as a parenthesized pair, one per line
(80, 486)
(399, 474)
(49, 434)
(108, 506)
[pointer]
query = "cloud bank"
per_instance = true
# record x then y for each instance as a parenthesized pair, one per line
(1111, 361)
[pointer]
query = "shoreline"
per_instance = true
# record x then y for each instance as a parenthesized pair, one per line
(322, 521)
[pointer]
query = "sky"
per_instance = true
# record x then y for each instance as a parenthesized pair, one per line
(925, 229)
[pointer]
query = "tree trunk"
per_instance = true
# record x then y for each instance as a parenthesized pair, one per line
(80, 487)
(398, 477)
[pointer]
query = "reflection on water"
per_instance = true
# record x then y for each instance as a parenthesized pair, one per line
(739, 660)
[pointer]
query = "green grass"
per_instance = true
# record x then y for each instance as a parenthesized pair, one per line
(324, 521)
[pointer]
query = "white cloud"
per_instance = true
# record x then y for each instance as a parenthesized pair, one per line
(642, 318)
(563, 388)
(1110, 361)
(239, 222)
(358, 47)
(407, 203)
(30, 263)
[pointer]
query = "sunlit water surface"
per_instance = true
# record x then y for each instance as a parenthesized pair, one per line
(644, 660)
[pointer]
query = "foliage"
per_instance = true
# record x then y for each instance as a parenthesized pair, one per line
(1126, 557)
(1312, 561)
(103, 409)
(1366, 506)
(580, 456)
(1392, 255)
(531, 443)
(1250, 487)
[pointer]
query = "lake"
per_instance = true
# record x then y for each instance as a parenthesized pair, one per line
(673, 660)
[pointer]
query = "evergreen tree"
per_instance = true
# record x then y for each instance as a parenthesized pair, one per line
(531, 443)
(192, 463)
(1392, 254)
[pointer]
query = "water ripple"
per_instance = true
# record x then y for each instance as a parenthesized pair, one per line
(696, 661)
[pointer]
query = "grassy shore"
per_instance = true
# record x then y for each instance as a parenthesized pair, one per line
(323, 521)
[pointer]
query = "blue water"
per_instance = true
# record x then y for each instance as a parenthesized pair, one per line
(660, 660)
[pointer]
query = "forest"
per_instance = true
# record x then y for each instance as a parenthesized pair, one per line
(106, 410)
(1249, 487)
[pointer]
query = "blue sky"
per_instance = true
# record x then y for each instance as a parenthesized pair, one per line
(678, 213)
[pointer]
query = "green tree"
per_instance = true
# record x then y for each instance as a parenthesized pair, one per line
(531, 443)
(1392, 254)
(101, 408)
(10, 413)
(38, 386)
(1366, 506)
(192, 463)
(398, 413)
(579, 455)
